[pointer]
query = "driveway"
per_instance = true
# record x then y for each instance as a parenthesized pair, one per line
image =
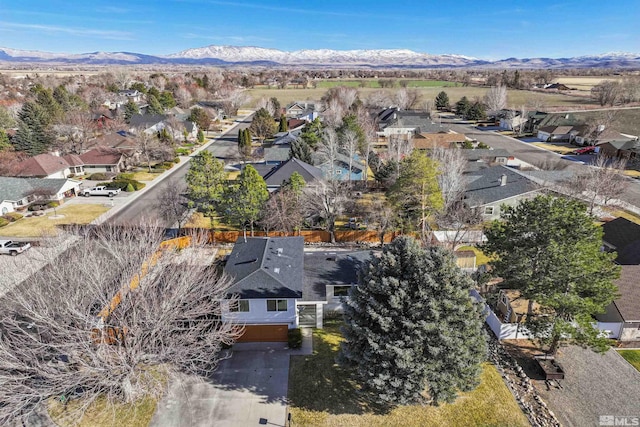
(247, 389)
(594, 385)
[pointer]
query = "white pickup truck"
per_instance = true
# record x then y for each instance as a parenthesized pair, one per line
(102, 190)
(13, 248)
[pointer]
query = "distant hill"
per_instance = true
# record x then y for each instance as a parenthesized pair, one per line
(258, 56)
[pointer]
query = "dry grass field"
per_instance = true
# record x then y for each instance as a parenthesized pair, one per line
(515, 98)
(584, 83)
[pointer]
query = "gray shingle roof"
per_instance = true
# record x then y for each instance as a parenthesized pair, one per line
(15, 189)
(147, 120)
(277, 153)
(481, 153)
(620, 233)
(484, 185)
(283, 172)
(267, 267)
(330, 268)
(628, 303)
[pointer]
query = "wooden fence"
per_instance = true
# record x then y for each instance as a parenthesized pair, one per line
(310, 236)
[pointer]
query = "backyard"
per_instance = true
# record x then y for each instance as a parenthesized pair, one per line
(631, 356)
(323, 394)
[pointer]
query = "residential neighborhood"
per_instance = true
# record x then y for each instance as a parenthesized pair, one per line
(292, 240)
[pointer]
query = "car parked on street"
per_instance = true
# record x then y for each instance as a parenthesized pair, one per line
(585, 150)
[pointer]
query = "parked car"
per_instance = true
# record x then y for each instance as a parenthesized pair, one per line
(12, 248)
(100, 191)
(585, 150)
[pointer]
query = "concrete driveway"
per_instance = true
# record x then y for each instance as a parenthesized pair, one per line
(248, 389)
(595, 385)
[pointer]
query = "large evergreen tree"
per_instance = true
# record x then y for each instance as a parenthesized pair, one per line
(312, 133)
(263, 126)
(154, 105)
(411, 326)
(34, 135)
(130, 108)
(549, 249)
(243, 201)
(463, 106)
(442, 101)
(204, 183)
(301, 151)
(200, 117)
(284, 124)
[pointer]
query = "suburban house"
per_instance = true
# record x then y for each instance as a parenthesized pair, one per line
(103, 160)
(286, 138)
(153, 123)
(554, 133)
(625, 149)
(431, 141)
(586, 135)
(489, 156)
(279, 174)
(49, 166)
(121, 140)
(339, 170)
(623, 237)
(17, 193)
(328, 277)
(131, 95)
(622, 317)
(302, 110)
(490, 188)
(409, 123)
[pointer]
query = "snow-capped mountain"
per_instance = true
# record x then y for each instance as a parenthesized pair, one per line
(382, 58)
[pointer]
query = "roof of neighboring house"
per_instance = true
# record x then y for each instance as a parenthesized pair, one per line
(484, 187)
(283, 172)
(277, 153)
(426, 141)
(628, 144)
(147, 120)
(630, 255)
(285, 137)
(628, 304)
(330, 268)
(556, 130)
(420, 121)
(14, 189)
(101, 156)
(356, 164)
(295, 123)
(261, 168)
(120, 139)
(620, 233)
(481, 153)
(40, 165)
(73, 160)
(267, 267)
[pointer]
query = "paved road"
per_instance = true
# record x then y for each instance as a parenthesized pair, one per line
(534, 155)
(143, 207)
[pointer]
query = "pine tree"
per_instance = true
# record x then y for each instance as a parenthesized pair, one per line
(462, 106)
(300, 150)
(204, 183)
(154, 105)
(243, 202)
(411, 327)
(34, 135)
(130, 108)
(244, 142)
(4, 140)
(200, 136)
(167, 100)
(442, 101)
(284, 125)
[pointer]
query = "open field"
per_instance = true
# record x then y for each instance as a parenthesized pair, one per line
(514, 97)
(584, 82)
(374, 83)
(45, 225)
(322, 394)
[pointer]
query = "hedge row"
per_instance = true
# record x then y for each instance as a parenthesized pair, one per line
(122, 184)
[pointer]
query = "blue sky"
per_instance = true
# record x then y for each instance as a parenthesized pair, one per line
(488, 30)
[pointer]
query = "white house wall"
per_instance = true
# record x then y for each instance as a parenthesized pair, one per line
(6, 207)
(258, 314)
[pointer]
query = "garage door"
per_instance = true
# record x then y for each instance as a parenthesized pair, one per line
(264, 333)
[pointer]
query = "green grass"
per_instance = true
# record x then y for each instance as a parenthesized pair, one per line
(631, 356)
(322, 394)
(101, 414)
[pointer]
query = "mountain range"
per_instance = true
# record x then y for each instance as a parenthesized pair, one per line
(258, 56)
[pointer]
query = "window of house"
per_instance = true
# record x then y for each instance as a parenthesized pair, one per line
(341, 291)
(488, 210)
(276, 305)
(240, 306)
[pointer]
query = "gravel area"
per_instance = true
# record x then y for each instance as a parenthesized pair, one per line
(594, 385)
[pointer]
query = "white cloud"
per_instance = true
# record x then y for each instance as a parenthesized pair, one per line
(105, 34)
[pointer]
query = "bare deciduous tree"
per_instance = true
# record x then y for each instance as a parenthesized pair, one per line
(406, 99)
(171, 204)
(349, 145)
(607, 92)
(382, 217)
(115, 317)
(457, 219)
(329, 150)
(496, 98)
(451, 166)
(283, 211)
(77, 127)
(324, 203)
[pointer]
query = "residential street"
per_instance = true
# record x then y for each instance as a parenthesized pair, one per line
(532, 154)
(142, 208)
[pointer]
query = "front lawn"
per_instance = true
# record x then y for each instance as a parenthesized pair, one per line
(99, 414)
(323, 394)
(145, 176)
(631, 356)
(37, 226)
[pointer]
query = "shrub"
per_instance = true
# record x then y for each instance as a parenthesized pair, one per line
(98, 176)
(295, 338)
(167, 165)
(53, 204)
(183, 152)
(12, 216)
(123, 183)
(129, 188)
(124, 176)
(3, 222)
(38, 206)
(176, 160)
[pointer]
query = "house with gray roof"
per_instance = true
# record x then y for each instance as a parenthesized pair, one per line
(276, 176)
(16, 193)
(622, 317)
(498, 155)
(410, 123)
(490, 188)
(277, 154)
(152, 123)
